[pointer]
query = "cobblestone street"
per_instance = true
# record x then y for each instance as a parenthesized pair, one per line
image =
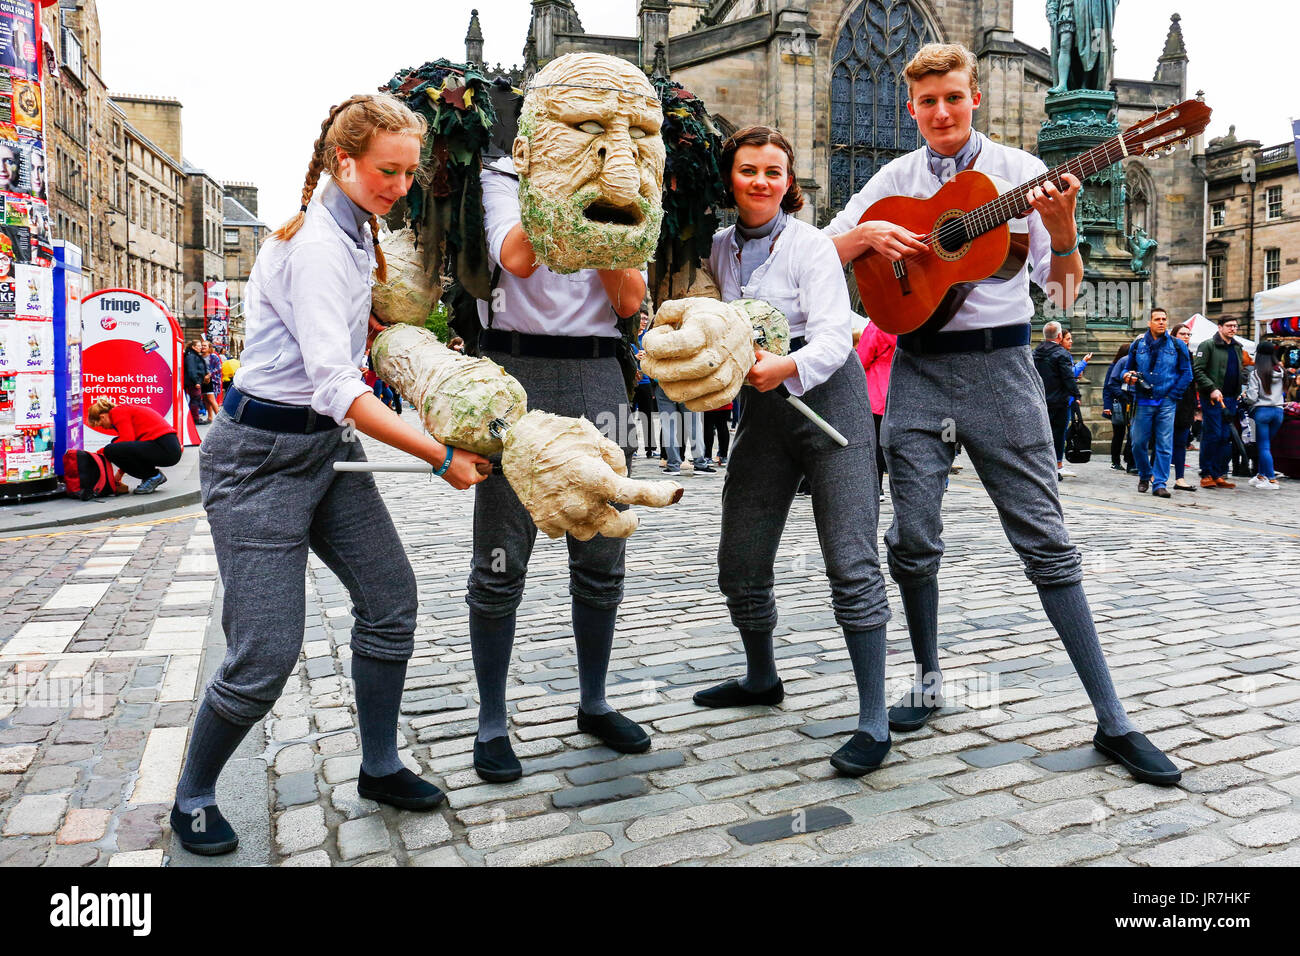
(107, 636)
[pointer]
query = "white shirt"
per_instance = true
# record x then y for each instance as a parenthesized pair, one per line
(308, 308)
(546, 303)
(993, 302)
(804, 279)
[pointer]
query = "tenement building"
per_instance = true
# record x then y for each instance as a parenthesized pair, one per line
(1253, 236)
(242, 236)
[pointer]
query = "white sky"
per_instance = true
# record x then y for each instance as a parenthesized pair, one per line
(256, 77)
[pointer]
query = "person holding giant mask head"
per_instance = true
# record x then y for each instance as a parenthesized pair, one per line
(591, 164)
(570, 219)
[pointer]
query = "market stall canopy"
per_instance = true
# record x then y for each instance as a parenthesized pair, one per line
(1280, 303)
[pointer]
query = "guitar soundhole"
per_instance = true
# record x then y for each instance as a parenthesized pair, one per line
(951, 239)
(952, 235)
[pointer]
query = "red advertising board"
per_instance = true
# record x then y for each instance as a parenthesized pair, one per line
(131, 352)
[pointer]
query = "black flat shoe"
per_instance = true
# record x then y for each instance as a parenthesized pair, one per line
(904, 718)
(495, 760)
(403, 790)
(860, 754)
(731, 694)
(1141, 757)
(615, 731)
(205, 831)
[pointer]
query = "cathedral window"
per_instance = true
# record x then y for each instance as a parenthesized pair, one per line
(869, 121)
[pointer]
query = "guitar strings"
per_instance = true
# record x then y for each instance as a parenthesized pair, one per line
(1000, 210)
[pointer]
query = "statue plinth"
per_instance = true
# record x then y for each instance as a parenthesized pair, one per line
(1077, 121)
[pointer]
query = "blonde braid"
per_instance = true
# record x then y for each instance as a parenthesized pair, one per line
(315, 168)
(381, 266)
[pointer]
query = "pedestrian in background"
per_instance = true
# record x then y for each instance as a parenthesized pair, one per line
(876, 349)
(207, 387)
(717, 422)
(1264, 391)
(643, 400)
(1056, 368)
(1184, 417)
(1219, 370)
(215, 361)
(1159, 369)
(1114, 404)
(194, 368)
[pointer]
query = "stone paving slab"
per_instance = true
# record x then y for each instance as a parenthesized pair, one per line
(107, 635)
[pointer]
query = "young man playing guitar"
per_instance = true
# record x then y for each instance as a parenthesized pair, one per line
(970, 379)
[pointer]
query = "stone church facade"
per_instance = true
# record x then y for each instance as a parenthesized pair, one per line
(828, 74)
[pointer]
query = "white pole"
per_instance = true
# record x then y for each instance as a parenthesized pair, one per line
(405, 467)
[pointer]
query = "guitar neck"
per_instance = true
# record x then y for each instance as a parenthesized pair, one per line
(1015, 202)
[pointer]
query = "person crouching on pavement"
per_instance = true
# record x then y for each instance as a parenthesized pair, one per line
(269, 486)
(144, 441)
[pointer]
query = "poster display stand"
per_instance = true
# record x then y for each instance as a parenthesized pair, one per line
(29, 346)
(131, 352)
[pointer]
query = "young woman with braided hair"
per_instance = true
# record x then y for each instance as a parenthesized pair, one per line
(267, 475)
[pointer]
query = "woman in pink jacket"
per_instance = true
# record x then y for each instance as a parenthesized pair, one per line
(876, 350)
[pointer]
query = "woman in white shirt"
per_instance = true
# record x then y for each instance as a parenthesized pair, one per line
(267, 475)
(771, 255)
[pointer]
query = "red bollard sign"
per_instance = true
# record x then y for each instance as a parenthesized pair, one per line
(131, 352)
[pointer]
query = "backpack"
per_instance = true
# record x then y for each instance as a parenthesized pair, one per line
(89, 474)
(1078, 438)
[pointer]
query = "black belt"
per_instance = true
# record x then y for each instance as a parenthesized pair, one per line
(548, 346)
(796, 343)
(972, 340)
(274, 417)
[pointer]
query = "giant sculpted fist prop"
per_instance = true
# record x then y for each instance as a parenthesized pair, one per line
(700, 350)
(567, 473)
(591, 164)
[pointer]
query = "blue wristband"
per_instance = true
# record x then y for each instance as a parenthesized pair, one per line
(442, 469)
(1070, 251)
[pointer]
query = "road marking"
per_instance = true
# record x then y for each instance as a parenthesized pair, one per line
(40, 638)
(160, 767)
(172, 634)
(181, 679)
(77, 596)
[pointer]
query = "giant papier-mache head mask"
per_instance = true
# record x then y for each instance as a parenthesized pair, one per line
(591, 164)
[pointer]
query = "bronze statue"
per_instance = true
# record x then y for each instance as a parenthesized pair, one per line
(1082, 46)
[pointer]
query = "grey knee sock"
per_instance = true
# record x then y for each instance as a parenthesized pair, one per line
(867, 651)
(760, 662)
(379, 698)
(212, 741)
(1067, 609)
(921, 607)
(593, 632)
(490, 641)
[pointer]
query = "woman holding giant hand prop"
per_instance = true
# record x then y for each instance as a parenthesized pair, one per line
(700, 351)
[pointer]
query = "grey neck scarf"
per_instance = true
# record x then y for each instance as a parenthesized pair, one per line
(346, 213)
(946, 167)
(753, 249)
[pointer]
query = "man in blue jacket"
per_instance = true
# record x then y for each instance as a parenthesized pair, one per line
(1159, 370)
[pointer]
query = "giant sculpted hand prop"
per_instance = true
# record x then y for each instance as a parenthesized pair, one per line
(567, 474)
(563, 470)
(701, 349)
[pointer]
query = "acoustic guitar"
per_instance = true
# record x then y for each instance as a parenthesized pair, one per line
(965, 226)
